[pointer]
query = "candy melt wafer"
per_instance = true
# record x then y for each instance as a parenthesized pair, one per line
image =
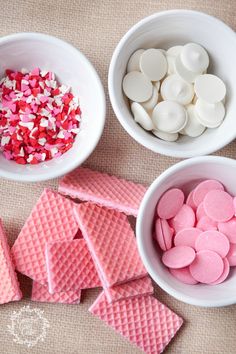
(9, 286)
(51, 219)
(143, 320)
(70, 266)
(138, 287)
(40, 293)
(103, 189)
(111, 242)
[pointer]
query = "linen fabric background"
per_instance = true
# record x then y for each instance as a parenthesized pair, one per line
(95, 27)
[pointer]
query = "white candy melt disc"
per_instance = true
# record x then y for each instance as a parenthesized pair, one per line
(193, 127)
(151, 103)
(165, 136)
(141, 116)
(133, 63)
(171, 64)
(174, 88)
(194, 57)
(137, 87)
(210, 115)
(174, 51)
(186, 75)
(153, 64)
(210, 88)
(169, 117)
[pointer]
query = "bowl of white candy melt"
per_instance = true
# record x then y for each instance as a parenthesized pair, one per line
(171, 83)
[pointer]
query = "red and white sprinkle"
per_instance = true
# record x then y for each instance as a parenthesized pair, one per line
(39, 118)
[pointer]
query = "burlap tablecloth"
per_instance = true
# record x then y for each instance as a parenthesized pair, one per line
(96, 27)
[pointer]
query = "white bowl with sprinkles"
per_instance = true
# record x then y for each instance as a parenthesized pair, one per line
(176, 68)
(52, 107)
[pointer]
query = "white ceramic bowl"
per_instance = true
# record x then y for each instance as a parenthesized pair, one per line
(163, 30)
(186, 175)
(29, 50)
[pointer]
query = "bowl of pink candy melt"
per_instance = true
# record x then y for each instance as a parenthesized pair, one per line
(186, 231)
(52, 107)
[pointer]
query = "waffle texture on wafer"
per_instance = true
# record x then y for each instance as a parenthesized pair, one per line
(103, 189)
(70, 266)
(137, 287)
(9, 286)
(111, 242)
(143, 320)
(51, 219)
(40, 293)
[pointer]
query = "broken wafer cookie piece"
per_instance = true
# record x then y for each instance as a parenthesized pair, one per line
(70, 266)
(143, 320)
(111, 242)
(9, 286)
(103, 189)
(40, 293)
(51, 219)
(137, 287)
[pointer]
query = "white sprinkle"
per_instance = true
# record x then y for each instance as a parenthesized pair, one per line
(21, 153)
(43, 73)
(60, 135)
(42, 141)
(44, 123)
(25, 82)
(24, 71)
(28, 125)
(78, 117)
(43, 156)
(30, 158)
(64, 89)
(5, 140)
(76, 130)
(54, 151)
(19, 137)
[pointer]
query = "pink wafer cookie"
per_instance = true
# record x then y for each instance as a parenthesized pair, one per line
(70, 266)
(40, 293)
(9, 286)
(51, 219)
(111, 242)
(138, 287)
(143, 320)
(103, 189)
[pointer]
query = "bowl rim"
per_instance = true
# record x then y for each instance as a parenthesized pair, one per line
(140, 239)
(203, 150)
(67, 46)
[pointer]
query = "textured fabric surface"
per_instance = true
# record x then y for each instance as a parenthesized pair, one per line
(95, 26)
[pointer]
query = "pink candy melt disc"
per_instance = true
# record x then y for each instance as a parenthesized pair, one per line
(214, 241)
(225, 273)
(203, 188)
(163, 234)
(183, 219)
(187, 237)
(207, 267)
(231, 256)
(229, 229)
(184, 275)
(218, 205)
(178, 257)
(170, 203)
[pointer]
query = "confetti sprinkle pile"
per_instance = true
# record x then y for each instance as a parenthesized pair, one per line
(39, 119)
